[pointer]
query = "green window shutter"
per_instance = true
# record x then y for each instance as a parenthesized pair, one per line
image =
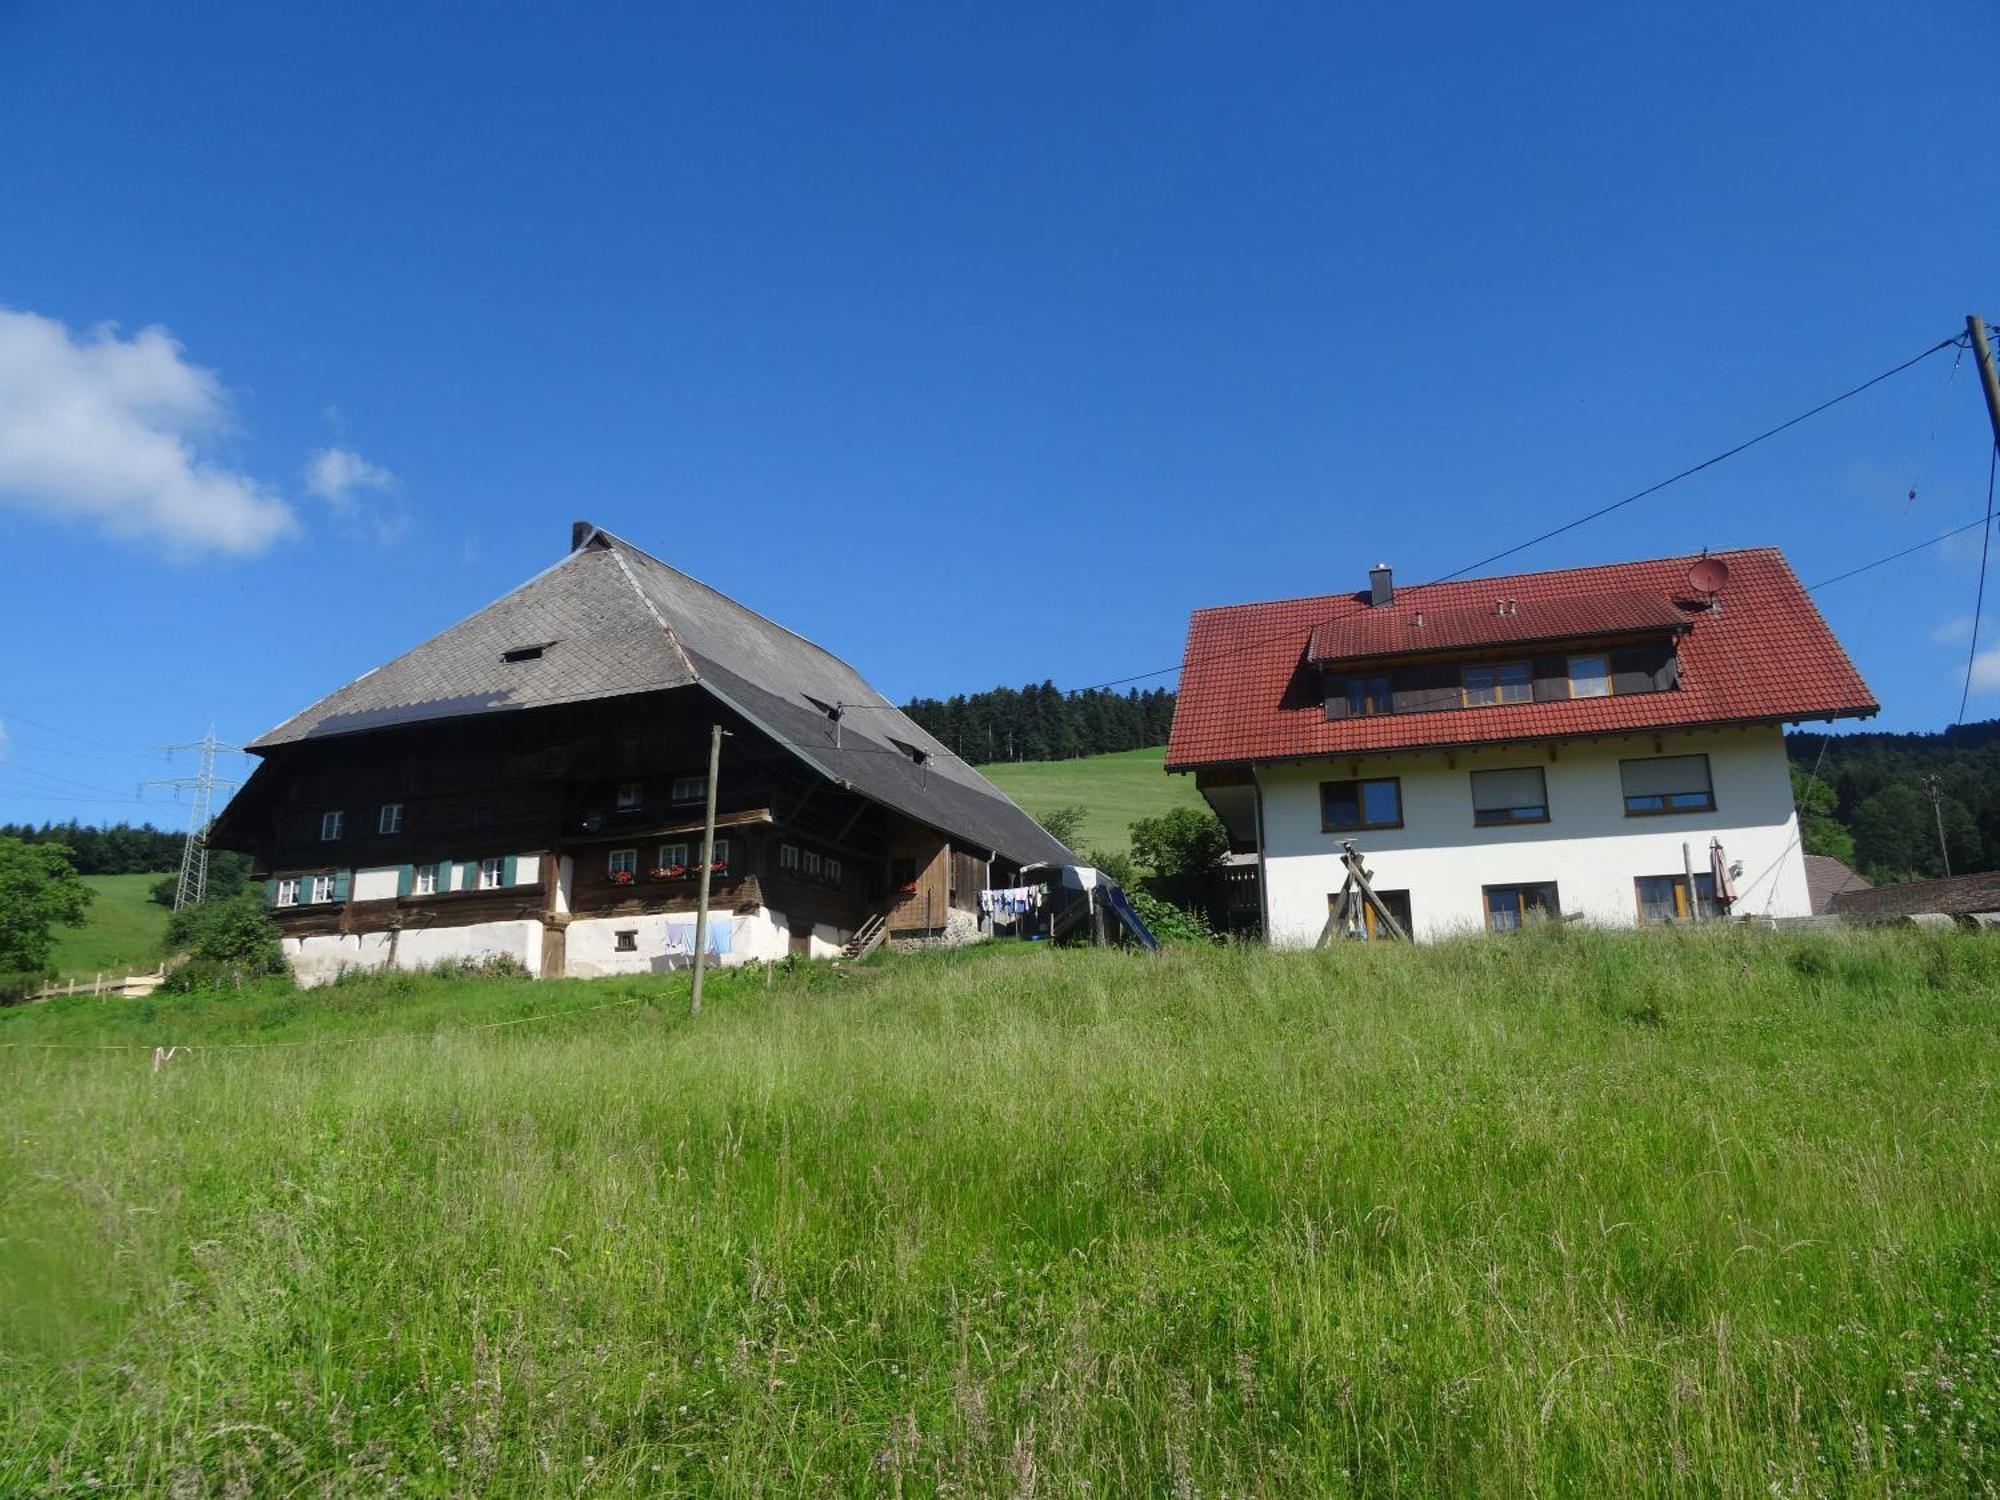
(271, 891)
(443, 876)
(340, 878)
(509, 869)
(468, 875)
(406, 878)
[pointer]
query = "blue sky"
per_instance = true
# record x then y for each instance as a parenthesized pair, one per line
(979, 347)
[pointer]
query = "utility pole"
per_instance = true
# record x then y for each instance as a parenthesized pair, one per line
(1989, 379)
(193, 884)
(707, 859)
(1934, 789)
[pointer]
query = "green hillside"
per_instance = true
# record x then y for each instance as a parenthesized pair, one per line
(124, 929)
(1114, 789)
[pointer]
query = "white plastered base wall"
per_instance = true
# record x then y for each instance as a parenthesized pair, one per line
(321, 959)
(661, 942)
(1589, 847)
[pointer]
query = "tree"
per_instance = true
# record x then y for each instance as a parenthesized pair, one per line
(1063, 823)
(1820, 830)
(1182, 847)
(39, 890)
(231, 930)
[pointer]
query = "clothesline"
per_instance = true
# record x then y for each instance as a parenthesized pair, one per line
(1013, 901)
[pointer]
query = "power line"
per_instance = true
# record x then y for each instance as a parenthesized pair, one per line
(1979, 598)
(1943, 536)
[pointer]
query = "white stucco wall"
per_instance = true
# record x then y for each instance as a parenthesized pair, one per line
(319, 960)
(591, 946)
(1589, 847)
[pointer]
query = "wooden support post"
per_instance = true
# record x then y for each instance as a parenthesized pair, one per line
(707, 859)
(1989, 379)
(1360, 878)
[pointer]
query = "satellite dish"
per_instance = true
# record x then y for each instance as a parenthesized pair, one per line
(1708, 575)
(594, 822)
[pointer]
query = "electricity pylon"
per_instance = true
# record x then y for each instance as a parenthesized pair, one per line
(194, 853)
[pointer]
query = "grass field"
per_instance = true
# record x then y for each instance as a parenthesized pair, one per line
(124, 929)
(1113, 789)
(1570, 1215)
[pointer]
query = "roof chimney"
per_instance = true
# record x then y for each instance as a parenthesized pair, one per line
(579, 533)
(1381, 585)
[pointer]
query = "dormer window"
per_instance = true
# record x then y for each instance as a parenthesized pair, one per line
(1498, 682)
(1590, 676)
(1370, 695)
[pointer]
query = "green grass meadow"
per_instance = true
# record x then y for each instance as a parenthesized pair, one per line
(124, 929)
(1114, 790)
(1702, 1212)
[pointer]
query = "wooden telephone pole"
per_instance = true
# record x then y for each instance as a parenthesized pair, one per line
(1989, 379)
(707, 861)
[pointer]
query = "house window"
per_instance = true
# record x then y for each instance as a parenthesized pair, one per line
(1517, 795)
(1509, 907)
(1369, 695)
(288, 892)
(424, 881)
(1666, 784)
(673, 854)
(322, 888)
(833, 872)
(390, 819)
(722, 853)
(1590, 676)
(812, 864)
(492, 874)
(330, 825)
(1347, 805)
(788, 856)
(690, 788)
(621, 862)
(1499, 682)
(628, 795)
(1372, 925)
(628, 940)
(1664, 898)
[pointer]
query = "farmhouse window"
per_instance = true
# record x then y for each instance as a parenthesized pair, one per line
(1500, 682)
(1348, 805)
(628, 939)
(1666, 784)
(492, 874)
(1516, 795)
(628, 795)
(1590, 676)
(722, 852)
(1369, 695)
(1372, 925)
(673, 854)
(322, 888)
(330, 825)
(788, 856)
(621, 862)
(424, 880)
(288, 892)
(812, 864)
(833, 872)
(1509, 907)
(390, 819)
(1664, 898)
(690, 788)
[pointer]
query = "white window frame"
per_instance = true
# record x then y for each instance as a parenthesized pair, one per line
(673, 854)
(721, 853)
(390, 818)
(288, 892)
(493, 873)
(833, 871)
(690, 789)
(622, 859)
(322, 889)
(812, 864)
(631, 794)
(1604, 689)
(788, 856)
(424, 880)
(331, 824)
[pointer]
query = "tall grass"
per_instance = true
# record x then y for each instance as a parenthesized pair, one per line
(1576, 1214)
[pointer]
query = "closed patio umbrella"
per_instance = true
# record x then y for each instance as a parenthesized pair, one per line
(1718, 871)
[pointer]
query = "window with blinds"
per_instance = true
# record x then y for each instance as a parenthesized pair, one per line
(1516, 795)
(1666, 784)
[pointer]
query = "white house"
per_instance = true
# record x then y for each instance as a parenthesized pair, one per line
(1569, 743)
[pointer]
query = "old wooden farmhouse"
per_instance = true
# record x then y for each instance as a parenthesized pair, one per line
(1575, 743)
(531, 784)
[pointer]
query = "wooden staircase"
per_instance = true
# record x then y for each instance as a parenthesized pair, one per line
(867, 938)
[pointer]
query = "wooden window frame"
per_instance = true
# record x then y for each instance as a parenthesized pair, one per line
(287, 883)
(334, 819)
(1371, 923)
(625, 940)
(1360, 804)
(1358, 703)
(1667, 812)
(1465, 699)
(1554, 908)
(1508, 822)
(1610, 678)
(1679, 887)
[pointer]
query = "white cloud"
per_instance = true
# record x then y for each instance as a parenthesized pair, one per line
(1959, 628)
(109, 431)
(334, 474)
(1986, 671)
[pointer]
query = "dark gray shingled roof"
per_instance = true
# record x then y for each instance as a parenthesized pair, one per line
(614, 620)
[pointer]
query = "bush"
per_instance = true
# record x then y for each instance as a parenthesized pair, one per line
(235, 931)
(1170, 923)
(492, 966)
(199, 975)
(17, 985)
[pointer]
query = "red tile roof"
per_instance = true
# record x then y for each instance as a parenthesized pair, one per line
(1248, 692)
(1409, 628)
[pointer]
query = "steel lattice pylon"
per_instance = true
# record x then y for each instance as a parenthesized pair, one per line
(193, 884)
